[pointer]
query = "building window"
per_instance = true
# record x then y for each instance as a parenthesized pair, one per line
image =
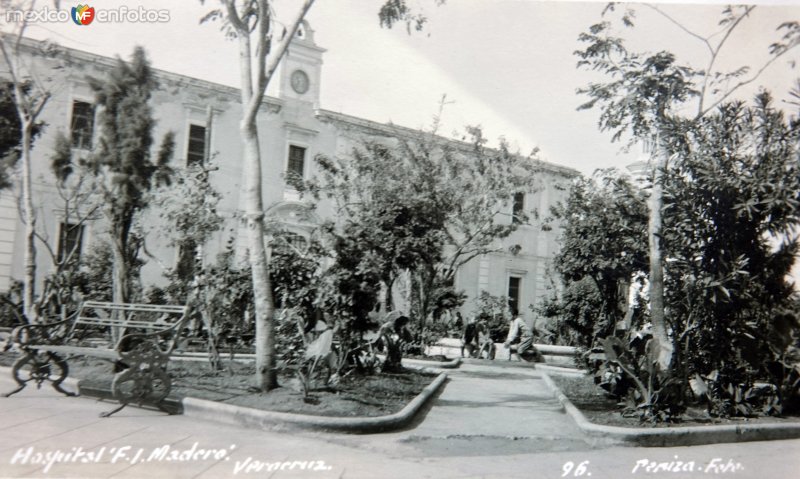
(70, 240)
(187, 260)
(517, 211)
(296, 163)
(514, 283)
(196, 149)
(82, 125)
(289, 243)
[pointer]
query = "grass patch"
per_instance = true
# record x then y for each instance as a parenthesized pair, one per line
(356, 395)
(599, 408)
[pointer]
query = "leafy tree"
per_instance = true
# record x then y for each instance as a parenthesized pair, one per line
(352, 284)
(645, 92)
(11, 306)
(122, 161)
(189, 207)
(479, 184)
(603, 240)
(263, 42)
(395, 216)
(575, 313)
(426, 206)
(733, 188)
(96, 274)
(10, 128)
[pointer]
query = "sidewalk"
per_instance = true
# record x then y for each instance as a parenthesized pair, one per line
(493, 419)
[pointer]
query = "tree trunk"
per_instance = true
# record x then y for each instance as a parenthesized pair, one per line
(121, 270)
(388, 301)
(426, 279)
(408, 293)
(120, 275)
(266, 371)
(266, 58)
(657, 315)
(30, 223)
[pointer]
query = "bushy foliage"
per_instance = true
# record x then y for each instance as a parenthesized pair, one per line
(733, 197)
(11, 313)
(295, 273)
(229, 296)
(10, 132)
(731, 203)
(95, 276)
(631, 373)
(495, 311)
(189, 205)
(603, 242)
(575, 314)
(726, 184)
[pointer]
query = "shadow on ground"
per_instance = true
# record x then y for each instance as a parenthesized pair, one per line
(472, 446)
(497, 375)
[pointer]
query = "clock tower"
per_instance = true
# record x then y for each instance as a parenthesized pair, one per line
(300, 69)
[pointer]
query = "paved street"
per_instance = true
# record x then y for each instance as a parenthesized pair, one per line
(490, 421)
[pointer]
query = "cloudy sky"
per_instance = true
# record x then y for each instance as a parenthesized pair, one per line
(507, 65)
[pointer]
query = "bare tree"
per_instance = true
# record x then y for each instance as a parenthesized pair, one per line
(30, 96)
(79, 204)
(262, 44)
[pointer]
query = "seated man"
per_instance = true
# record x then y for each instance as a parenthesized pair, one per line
(486, 347)
(519, 330)
(469, 339)
(393, 335)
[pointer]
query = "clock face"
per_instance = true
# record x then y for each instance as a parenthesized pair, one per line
(299, 81)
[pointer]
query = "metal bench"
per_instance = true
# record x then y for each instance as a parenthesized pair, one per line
(138, 338)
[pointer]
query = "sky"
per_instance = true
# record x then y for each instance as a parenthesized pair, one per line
(506, 65)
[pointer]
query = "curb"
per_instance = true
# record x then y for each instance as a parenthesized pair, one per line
(451, 364)
(259, 419)
(430, 365)
(677, 436)
(559, 370)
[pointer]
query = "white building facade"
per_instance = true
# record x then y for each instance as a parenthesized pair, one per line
(293, 129)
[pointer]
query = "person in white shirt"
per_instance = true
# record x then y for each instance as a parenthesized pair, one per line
(520, 330)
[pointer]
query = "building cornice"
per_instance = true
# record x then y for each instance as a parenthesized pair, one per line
(392, 130)
(172, 79)
(269, 104)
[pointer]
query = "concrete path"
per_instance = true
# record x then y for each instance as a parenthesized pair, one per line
(488, 406)
(492, 420)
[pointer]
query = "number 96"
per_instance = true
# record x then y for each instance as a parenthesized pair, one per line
(579, 471)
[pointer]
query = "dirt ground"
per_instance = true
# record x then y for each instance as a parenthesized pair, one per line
(601, 409)
(355, 394)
